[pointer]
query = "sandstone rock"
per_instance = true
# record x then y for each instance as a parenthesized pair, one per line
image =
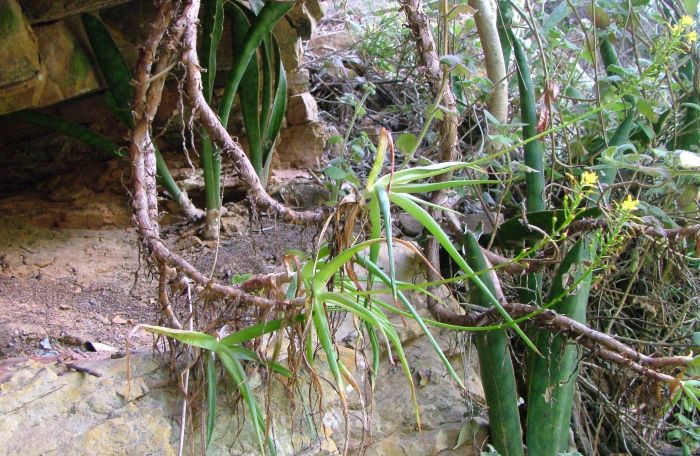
(298, 81)
(330, 43)
(299, 18)
(69, 71)
(315, 8)
(188, 242)
(76, 414)
(41, 412)
(19, 53)
(289, 43)
(301, 146)
(65, 72)
(302, 109)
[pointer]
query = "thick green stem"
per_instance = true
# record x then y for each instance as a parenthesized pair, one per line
(210, 159)
(621, 135)
(504, 19)
(211, 168)
(496, 366)
(552, 377)
(531, 291)
(688, 137)
(534, 158)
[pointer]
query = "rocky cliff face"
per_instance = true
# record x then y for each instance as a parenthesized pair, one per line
(46, 58)
(45, 409)
(46, 63)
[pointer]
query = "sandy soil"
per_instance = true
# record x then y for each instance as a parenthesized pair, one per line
(70, 271)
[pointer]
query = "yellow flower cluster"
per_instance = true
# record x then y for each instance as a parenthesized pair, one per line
(589, 179)
(629, 204)
(684, 27)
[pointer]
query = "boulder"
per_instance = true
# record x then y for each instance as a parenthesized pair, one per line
(19, 53)
(301, 146)
(302, 109)
(65, 71)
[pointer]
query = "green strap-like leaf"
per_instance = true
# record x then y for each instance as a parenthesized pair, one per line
(193, 338)
(435, 186)
(212, 27)
(249, 88)
(118, 76)
(279, 104)
(371, 319)
(112, 65)
(257, 330)
(385, 207)
(268, 83)
(69, 128)
(265, 21)
(376, 271)
(431, 225)
(324, 335)
(424, 172)
(212, 382)
(237, 373)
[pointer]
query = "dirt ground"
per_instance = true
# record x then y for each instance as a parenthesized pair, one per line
(70, 271)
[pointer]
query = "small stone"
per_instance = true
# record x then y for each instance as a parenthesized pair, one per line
(187, 242)
(350, 339)
(411, 226)
(424, 376)
(64, 307)
(102, 319)
(72, 337)
(302, 109)
(100, 347)
(133, 390)
(117, 320)
(330, 43)
(45, 344)
(232, 225)
(480, 220)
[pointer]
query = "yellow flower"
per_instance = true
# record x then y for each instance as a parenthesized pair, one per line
(692, 36)
(629, 204)
(589, 178)
(687, 21)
